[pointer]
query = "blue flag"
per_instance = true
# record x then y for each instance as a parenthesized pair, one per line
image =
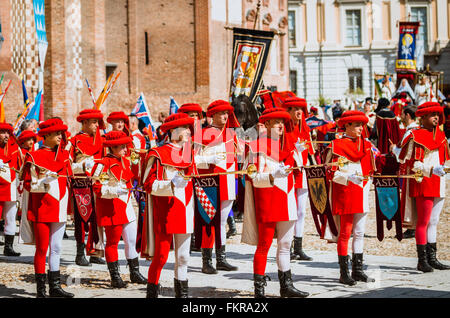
(36, 109)
(141, 112)
(173, 106)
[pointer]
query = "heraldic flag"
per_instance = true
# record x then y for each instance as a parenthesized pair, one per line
(250, 53)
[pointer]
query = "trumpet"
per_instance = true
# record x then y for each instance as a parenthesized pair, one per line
(134, 157)
(251, 171)
(341, 162)
(418, 176)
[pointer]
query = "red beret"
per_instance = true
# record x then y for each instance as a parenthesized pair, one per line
(177, 120)
(219, 106)
(116, 138)
(296, 102)
(277, 113)
(50, 126)
(25, 135)
(431, 107)
(118, 116)
(86, 114)
(7, 127)
(191, 107)
(351, 116)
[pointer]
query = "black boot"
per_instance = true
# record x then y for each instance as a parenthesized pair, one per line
(153, 290)
(221, 260)
(259, 281)
(80, 259)
(298, 250)
(40, 285)
(96, 260)
(357, 269)
(9, 251)
(409, 233)
(287, 289)
(422, 264)
(231, 227)
(181, 288)
(431, 257)
(54, 283)
(116, 280)
(345, 275)
(135, 275)
(207, 267)
(193, 248)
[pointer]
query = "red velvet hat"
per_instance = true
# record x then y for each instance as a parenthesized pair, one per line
(351, 116)
(116, 138)
(92, 114)
(277, 113)
(219, 106)
(6, 126)
(296, 102)
(177, 120)
(51, 125)
(117, 116)
(191, 107)
(26, 134)
(431, 107)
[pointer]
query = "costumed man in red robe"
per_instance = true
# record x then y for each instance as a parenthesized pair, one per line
(44, 174)
(10, 162)
(350, 192)
(425, 150)
(217, 153)
(271, 198)
(300, 140)
(85, 149)
(170, 216)
(115, 211)
(194, 111)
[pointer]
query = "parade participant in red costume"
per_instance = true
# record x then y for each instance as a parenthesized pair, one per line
(115, 211)
(171, 203)
(273, 208)
(300, 140)
(350, 192)
(217, 153)
(26, 141)
(10, 162)
(194, 111)
(425, 150)
(45, 174)
(85, 148)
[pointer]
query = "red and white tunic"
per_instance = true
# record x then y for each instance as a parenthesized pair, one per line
(427, 149)
(113, 208)
(301, 134)
(11, 155)
(173, 207)
(274, 201)
(346, 196)
(82, 146)
(47, 202)
(226, 144)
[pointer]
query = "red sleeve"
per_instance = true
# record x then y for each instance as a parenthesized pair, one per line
(152, 176)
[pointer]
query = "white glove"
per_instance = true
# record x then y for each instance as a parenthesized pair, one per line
(418, 165)
(121, 190)
(89, 163)
(179, 182)
(281, 171)
(300, 146)
(48, 178)
(213, 159)
(439, 171)
(356, 179)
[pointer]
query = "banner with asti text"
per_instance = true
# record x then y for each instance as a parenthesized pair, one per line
(406, 61)
(250, 52)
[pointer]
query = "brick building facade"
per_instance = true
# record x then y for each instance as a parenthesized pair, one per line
(178, 48)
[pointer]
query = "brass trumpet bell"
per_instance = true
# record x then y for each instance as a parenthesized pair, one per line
(134, 158)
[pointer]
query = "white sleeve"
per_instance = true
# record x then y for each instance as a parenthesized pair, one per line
(109, 192)
(77, 167)
(262, 180)
(162, 188)
(341, 177)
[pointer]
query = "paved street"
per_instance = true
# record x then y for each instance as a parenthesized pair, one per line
(395, 276)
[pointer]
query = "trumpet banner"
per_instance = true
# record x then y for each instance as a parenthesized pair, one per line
(318, 189)
(250, 53)
(387, 202)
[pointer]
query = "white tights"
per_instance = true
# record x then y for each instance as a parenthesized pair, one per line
(55, 243)
(302, 200)
(9, 214)
(129, 233)
(434, 220)
(225, 208)
(182, 244)
(285, 233)
(359, 225)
